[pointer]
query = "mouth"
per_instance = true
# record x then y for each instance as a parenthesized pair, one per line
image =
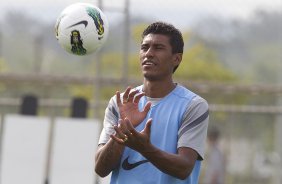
(148, 63)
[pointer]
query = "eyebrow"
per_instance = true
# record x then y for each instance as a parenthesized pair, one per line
(154, 44)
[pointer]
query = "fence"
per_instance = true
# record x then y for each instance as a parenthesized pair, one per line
(250, 134)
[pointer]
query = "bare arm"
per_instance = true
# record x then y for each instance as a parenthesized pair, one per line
(179, 165)
(107, 157)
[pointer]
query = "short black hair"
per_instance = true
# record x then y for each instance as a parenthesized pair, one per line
(175, 36)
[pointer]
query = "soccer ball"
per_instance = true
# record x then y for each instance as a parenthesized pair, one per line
(82, 29)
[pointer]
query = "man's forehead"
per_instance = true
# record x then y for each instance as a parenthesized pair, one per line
(155, 39)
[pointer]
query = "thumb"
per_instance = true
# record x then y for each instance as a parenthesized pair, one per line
(147, 107)
(147, 129)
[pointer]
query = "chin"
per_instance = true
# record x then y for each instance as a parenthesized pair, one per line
(150, 77)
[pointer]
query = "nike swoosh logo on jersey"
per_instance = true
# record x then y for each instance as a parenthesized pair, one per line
(128, 166)
(84, 22)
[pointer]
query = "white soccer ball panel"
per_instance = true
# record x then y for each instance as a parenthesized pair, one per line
(82, 29)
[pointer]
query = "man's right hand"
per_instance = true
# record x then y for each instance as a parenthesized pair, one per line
(128, 106)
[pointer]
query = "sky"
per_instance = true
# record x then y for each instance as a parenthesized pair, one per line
(180, 12)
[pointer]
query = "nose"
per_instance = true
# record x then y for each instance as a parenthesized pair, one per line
(149, 52)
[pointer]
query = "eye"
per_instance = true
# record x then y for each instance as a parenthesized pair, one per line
(144, 47)
(159, 46)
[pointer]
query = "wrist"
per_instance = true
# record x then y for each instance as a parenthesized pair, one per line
(148, 150)
(116, 146)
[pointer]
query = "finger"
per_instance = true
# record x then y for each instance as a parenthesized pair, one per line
(125, 95)
(148, 125)
(130, 127)
(124, 127)
(128, 133)
(138, 97)
(147, 107)
(119, 132)
(118, 140)
(131, 95)
(118, 98)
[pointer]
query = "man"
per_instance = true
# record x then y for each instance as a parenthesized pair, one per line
(215, 170)
(154, 133)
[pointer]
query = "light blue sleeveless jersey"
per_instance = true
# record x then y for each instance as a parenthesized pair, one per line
(167, 115)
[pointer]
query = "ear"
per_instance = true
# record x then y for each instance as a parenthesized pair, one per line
(177, 59)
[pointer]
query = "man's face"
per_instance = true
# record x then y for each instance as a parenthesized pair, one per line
(156, 57)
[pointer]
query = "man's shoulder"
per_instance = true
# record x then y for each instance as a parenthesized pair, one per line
(183, 92)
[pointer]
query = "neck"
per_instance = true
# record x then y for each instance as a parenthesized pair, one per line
(158, 89)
